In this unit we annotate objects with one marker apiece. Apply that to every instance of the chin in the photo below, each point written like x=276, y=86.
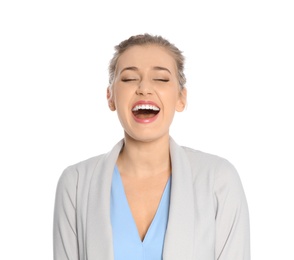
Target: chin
x=146, y=138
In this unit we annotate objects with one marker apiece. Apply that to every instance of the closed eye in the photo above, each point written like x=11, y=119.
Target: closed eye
x=162, y=80
x=127, y=80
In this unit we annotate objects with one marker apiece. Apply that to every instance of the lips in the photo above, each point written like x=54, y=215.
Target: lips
x=145, y=111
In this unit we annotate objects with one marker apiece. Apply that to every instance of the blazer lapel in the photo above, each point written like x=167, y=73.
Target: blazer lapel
x=99, y=233
x=179, y=236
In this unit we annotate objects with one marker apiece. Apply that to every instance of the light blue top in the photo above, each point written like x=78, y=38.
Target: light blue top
x=126, y=240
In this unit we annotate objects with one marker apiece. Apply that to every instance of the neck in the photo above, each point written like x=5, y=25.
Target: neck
x=145, y=159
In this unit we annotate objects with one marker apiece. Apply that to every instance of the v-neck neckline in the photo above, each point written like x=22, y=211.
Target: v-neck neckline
x=150, y=230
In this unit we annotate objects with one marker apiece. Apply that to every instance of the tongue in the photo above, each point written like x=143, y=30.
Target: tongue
x=144, y=114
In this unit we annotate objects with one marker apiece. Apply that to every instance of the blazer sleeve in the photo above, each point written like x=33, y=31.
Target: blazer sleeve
x=65, y=243
x=232, y=217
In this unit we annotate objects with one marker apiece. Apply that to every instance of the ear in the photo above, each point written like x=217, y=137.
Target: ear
x=110, y=99
x=182, y=101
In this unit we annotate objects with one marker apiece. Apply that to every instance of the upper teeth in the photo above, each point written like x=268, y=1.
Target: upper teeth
x=151, y=107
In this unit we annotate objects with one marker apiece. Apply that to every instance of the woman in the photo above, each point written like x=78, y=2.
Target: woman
x=149, y=198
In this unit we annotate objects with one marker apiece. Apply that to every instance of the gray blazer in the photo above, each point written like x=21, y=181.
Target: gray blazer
x=208, y=216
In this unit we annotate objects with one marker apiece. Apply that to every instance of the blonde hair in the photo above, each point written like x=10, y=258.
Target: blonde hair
x=147, y=39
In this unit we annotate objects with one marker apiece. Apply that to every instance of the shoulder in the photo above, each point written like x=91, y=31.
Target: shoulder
x=220, y=169
x=81, y=173
x=206, y=160
x=75, y=173
x=217, y=173
x=87, y=165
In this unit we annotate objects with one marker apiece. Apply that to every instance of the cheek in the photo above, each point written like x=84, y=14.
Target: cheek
x=121, y=100
x=170, y=97
x=118, y=95
x=122, y=92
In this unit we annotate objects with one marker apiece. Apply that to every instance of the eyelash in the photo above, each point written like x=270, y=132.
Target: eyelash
x=162, y=80
x=128, y=80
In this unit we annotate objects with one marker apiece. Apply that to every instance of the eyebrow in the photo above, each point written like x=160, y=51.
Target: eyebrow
x=136, y=69
x=129, y=68
x=161, y=68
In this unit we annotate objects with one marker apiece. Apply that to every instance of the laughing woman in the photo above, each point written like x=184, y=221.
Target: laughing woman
x=149, y=198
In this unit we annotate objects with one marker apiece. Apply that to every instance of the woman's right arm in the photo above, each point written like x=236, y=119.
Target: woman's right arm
x=65, y=241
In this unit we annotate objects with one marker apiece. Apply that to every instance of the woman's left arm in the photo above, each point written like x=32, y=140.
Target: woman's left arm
x=232, y=217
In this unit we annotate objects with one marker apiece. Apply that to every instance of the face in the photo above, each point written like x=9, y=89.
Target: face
x=145, y=92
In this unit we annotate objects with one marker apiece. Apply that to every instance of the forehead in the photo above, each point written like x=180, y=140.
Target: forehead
x=146, y=56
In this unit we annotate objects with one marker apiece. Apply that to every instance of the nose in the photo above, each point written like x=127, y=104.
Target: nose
x=144, y=88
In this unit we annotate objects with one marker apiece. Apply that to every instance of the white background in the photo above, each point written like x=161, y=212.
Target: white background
x=53, y=77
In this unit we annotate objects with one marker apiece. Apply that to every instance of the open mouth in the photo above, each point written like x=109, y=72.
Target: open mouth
x=145, y=111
